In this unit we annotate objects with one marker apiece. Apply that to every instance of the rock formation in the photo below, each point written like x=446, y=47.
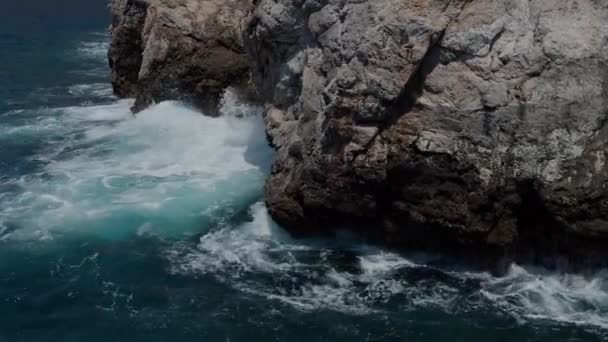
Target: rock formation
x=446, y=122
x=178, y=49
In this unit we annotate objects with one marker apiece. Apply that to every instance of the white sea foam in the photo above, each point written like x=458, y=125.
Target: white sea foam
x=169, y=169
x=305, y=277
x=539, y=294
x=95, y=90
x=94, y=49
x=382, y=263
x=257, y=258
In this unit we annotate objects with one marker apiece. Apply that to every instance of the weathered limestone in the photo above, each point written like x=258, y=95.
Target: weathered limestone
x=186, y=49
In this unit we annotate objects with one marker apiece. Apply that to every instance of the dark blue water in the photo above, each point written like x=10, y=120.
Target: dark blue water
x=153, y=228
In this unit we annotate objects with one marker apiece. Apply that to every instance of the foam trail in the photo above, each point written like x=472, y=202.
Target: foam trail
x=257, y=258
x=538, y=294
x=92, y=90
x=168, y=170
x=96, y=49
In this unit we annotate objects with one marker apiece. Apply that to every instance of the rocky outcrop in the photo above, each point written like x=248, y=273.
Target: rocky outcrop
x=479, y=122
x=445, y=122
x=178, y=49
x=125, y=53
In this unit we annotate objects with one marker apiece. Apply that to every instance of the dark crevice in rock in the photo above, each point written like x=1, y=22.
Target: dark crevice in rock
x=495, y=39
x=411, y=91
x=509, y=161
x=545, y=240
x=604, y=119
x=125, y=53
x=414, y=87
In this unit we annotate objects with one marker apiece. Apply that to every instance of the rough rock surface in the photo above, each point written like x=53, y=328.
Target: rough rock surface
x=178, y=49
x=445, y=122
x=125, y=54
x=479, y=122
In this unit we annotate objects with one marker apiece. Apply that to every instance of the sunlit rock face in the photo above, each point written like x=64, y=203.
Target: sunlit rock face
x=456, y=122
x=178, y=49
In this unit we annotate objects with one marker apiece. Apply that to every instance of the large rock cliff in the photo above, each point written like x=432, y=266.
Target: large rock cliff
x=456, y=122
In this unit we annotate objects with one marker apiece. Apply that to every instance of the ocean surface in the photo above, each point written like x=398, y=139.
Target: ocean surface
x=116, y=227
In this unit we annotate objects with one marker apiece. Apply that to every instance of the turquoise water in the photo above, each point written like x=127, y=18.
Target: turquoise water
x=153, y=228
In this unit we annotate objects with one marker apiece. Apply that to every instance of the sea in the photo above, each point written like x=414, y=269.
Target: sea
x=152, y=227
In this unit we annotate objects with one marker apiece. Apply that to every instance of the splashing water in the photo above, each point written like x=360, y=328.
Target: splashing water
x=258, y=258
x=167, y=170
x=94, y=50
x=538, y=294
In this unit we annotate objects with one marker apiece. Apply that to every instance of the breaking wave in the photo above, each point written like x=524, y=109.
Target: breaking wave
x=258, y=258
x=168, y=170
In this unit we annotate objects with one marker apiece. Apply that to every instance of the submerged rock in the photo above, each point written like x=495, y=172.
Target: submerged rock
x=437, y=122
x=178, y=49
